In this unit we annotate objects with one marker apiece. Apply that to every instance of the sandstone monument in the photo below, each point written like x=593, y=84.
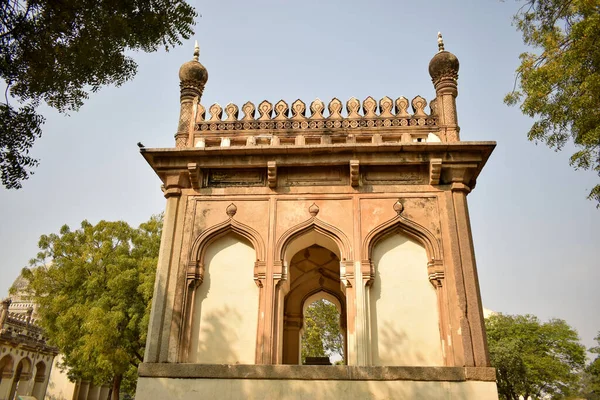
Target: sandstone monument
x=280, y=205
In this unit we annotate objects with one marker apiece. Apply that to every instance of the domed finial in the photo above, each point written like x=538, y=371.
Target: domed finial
x=196, y=51
x=193, y=75
x=440, y=42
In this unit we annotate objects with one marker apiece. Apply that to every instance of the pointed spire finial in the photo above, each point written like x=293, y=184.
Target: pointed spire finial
x=196, y=51
x=440, y=42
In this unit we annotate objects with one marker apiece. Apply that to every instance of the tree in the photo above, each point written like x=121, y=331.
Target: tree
x=560, y=86
x=322, y=336
x=94, y=288
x=60, y=51
x=533, y=358
x=591, y=389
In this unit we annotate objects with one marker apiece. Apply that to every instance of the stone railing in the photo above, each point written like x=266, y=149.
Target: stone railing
x=386, y=121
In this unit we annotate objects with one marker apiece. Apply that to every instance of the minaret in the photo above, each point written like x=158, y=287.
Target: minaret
x=443, y=69
x=192, y=78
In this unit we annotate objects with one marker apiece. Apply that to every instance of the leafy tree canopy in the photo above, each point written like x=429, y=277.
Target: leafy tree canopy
x=321, y=335
x=559, y=85
x=591, y=387
x=94, y=287
x=536, y=359
x=60, y=51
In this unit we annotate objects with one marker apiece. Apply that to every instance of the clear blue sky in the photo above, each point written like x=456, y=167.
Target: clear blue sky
x=536, y=236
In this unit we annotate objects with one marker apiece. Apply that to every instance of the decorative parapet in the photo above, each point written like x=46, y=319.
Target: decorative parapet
x=369, y=122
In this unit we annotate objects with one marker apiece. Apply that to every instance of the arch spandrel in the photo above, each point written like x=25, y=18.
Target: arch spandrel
x=331, y=238
x=195, y=270
x=415, y=231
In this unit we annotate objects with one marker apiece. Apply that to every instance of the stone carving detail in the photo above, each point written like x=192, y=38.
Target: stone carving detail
x=352, y=106
x=335, y=109
x=232, y=112
x=398, y=207
x=231, y=210
x=265, y=110
x=370, y=107
x=216, y=112
x=194, y=173
x=200, y=113
x=385, y=105
x=388, y=117
x=248, y=110
x=281, y=111
x=435, y=170
x=298, y=110
x=272, y=174
x=317, y=107
x=354, y=169
x=313, y=210
x=185, y=115
x=181, y=140
x=402, y=107
x=418, y=105
x=433, y=107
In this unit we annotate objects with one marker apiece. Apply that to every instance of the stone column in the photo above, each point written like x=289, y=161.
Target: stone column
x=104, y=391
x=94, y=393
x=157, y=323
x=83, y=391
x=361, y=293
x=6, y=383
x=469, y=270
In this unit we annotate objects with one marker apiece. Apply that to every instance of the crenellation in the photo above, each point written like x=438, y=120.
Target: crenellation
x=283, y=124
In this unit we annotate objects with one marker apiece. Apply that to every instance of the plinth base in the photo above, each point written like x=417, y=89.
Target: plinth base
x=264, y=382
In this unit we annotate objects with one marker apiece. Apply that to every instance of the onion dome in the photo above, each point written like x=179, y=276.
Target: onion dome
x=444, y=64
x=192, y=73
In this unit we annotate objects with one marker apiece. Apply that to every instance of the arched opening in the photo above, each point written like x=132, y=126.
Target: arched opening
x=322, y=340
x=39, y=380
x=6, y=372
x=314, y=273
x=225, y=306
x=405, y=325
x=21, y=378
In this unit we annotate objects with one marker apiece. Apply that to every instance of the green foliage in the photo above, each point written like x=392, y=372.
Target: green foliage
x=322, y=335
x=591, y=387
x=59, y=51
x=533, y=358
x=94, y=288
x=560, y=86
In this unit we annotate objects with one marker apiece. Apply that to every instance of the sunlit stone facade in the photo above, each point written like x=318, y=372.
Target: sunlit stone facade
x=268, y=209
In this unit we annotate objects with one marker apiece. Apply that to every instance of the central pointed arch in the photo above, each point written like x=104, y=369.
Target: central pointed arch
x=325, y=235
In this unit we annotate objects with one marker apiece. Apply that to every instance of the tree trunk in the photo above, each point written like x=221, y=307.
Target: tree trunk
x=116, y=387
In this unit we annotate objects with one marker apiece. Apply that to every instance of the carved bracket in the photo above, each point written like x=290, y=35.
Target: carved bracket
x=195, y=175
x=354, y=168
x=435, y=170
x=435, y=272
x=272, y=174
x=347, y=273
x=195, y=275
x=367, y=270
x=260, y=273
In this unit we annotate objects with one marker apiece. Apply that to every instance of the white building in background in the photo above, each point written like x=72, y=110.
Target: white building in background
x=26, y=359
x=28, y=365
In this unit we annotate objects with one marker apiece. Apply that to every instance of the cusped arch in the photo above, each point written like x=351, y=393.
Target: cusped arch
x=209, y=236
x=7, y=363
x=40, y=371
x=412, y=229
x=328, y=231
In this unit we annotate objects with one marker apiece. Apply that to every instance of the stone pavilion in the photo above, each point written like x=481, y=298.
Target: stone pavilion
x=271, y=208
